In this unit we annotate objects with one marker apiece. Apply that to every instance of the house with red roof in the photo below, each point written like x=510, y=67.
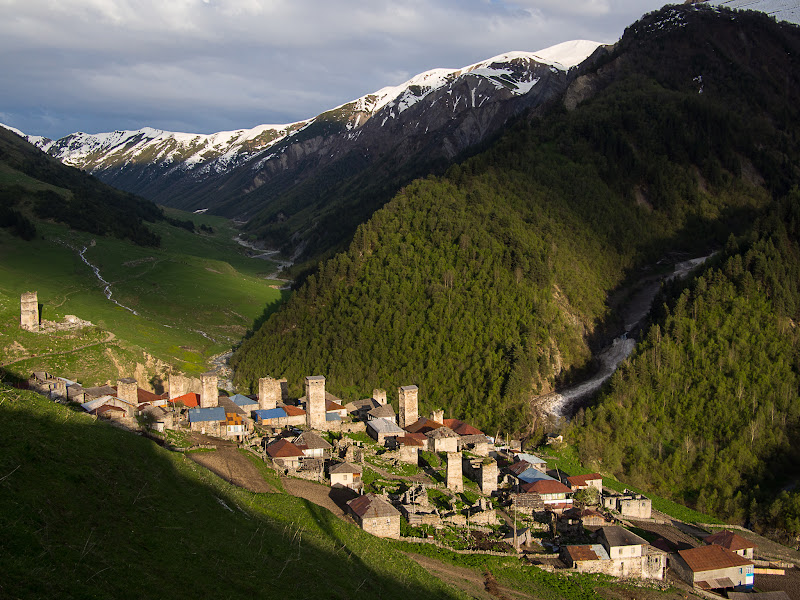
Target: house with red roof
x=555, y=495
x=190, y=400
x=713, y=567
x=285, y=454
x=733, y=542
x=582, y=482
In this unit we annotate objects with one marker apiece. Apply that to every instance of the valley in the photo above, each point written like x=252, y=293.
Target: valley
x=467, y=336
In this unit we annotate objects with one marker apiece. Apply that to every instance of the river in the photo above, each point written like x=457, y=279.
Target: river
x=564, y=402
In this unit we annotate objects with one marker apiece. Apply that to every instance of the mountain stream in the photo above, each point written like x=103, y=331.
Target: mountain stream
x=564, y=402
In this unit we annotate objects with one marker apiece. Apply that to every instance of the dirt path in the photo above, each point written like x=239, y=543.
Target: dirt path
x=109, y=338
x=478, y=585
x=233, y=467
x=334, y=499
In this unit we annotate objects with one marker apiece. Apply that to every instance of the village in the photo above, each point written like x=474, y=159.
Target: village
x=431, y=479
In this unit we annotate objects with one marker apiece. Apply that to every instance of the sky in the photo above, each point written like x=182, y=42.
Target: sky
x=202, y=66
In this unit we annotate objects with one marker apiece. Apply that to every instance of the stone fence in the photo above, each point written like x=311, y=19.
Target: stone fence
x=418, y=540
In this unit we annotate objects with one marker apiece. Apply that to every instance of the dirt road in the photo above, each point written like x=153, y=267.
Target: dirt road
x=233, y=467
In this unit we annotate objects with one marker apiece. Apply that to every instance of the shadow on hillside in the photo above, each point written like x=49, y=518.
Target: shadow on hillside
x=91, y=510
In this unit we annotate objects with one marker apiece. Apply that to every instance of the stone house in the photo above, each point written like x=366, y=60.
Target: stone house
x=381, y=430
x=527, y=503
x=313, y=445
x=375, y=515
x=384, y=411
x=713, y=567
x=346, y=475
x=733, y=542
x=442, y=439
x=285, y=454
x=620, y=553
x=409, y=449
x=209, y=421
x=629, y=504
x=585, y=517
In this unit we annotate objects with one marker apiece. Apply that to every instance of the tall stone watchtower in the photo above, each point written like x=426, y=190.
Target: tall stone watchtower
x=455, y=480
x=315, y=401
x=128, y=390
x=209, y=397
x=29, y=311
x=269, y=393
x=409, y=407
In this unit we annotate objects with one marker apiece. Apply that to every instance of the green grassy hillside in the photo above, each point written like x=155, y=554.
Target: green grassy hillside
x=195, y=296
x=487, y=285
x=91, y=511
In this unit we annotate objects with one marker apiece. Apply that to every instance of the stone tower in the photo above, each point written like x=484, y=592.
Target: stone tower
x=409, y=408
x=437, y=415
x=489, y=474
x=455, y=480
x=178, y=385
x=269, y=393
x=29, y=311
x=315, y=402
x=379, y=396
x=128, y=390
x=209, y=397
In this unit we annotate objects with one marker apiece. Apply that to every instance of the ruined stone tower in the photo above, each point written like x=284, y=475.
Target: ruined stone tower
x=209, y=397
x=128, y=390
x=269, y=393
x=455, y=480
x=29, y=311
x=379, y=396
x=315, y=401
x=437, y=415
x=409, y=408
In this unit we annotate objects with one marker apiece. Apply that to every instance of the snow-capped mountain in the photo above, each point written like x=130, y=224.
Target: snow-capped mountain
x=173, y=168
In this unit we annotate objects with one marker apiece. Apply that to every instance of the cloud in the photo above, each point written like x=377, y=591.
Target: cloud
x=207, y=63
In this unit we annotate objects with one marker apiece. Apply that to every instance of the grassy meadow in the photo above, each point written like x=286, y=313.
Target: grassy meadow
x=195, y=296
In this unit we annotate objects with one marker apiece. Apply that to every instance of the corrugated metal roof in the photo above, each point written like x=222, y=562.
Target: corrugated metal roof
x=530, y=475
x=385, y=427
x=547, y=486
x=267, y=414
x=587, y=552
x=710, y=558
x=240, y=400
x=531, y=458
x=202, y=415
x=619, y=536
x=580, y=480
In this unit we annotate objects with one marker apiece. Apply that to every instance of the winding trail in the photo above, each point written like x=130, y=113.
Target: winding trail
x=562, y=403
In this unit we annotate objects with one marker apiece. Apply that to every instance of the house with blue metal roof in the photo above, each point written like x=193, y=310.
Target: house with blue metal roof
x=210, y=421
x=245, y=403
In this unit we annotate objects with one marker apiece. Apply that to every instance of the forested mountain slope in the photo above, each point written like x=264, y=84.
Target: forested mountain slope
x=707, y=411
x=34, y=186
x=484, y=286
